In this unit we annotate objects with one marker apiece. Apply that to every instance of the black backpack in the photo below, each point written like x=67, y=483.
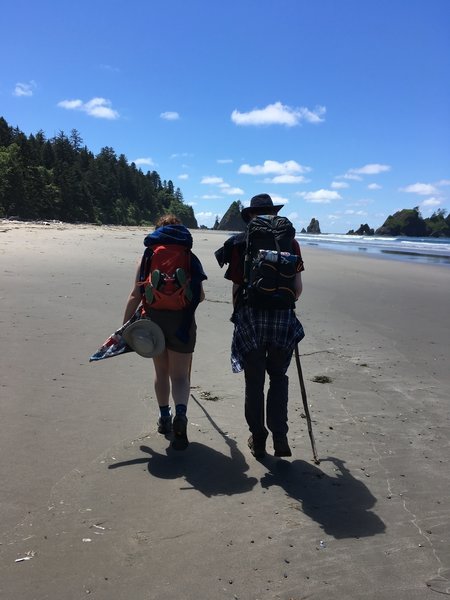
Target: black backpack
x=269, y=265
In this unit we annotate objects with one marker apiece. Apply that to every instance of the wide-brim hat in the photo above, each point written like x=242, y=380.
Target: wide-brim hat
x=258, y=205
x=145, y=337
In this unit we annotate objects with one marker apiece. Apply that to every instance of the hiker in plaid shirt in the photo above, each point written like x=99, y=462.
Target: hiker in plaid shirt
x=263, y=341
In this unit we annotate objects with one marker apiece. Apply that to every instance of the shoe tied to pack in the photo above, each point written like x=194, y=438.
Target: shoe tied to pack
x=181, y=280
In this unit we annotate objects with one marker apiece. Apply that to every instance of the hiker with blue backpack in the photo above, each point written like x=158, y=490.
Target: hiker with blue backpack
x=168, y=288
x=265, y=266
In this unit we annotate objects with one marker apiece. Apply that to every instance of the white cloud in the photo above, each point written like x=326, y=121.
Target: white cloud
x=210, y=197
x=233, y=191
x=273, y=167
x=371, y=169
x=230, y=191
x=183, y=176
x=443, y=182
x=286, y=179
x=207, y=219
x=99, y=108
x=279, y=200
x=312, y=116
x=226, y=188
x=170, y=115
x=212, y=180
x=181, y=154
x=361, y=202
x=144, y=161
x=351, y=176
x=320, y=196
x=374, y=186
x=423, y=189
x=24, y=89
x=278, y=114
x=71, y=104
x=224, y=161
x=431, y=202
x=339, y=185
x=361, y=213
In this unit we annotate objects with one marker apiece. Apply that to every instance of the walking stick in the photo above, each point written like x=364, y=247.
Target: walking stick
x=305, y=405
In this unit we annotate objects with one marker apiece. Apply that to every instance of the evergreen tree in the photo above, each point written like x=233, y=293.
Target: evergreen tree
x=5, y=133
x=232, y=220
x=59, y=178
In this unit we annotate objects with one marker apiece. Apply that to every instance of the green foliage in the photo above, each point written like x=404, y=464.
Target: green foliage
x=184, y=212
x=364, y=229
x=409, y=222
x=232, y=220
x=61, y=179
x=438, y=225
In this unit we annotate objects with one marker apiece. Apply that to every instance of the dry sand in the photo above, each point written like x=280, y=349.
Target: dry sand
x=100, y=505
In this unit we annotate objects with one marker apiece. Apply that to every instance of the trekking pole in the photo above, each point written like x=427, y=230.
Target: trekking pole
x=305, y=405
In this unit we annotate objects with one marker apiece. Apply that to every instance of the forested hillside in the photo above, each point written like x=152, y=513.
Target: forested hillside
x=59, y=178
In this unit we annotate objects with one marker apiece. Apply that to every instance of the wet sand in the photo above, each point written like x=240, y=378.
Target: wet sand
x=100, y=505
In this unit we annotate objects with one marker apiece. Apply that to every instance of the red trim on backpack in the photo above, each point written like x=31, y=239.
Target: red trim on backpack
x=169, y=293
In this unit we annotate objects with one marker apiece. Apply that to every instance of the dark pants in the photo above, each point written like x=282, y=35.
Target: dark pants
x=275, y=361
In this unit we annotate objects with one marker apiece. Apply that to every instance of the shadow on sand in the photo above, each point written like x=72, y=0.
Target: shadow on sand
x=340, y=505
x=204, y=469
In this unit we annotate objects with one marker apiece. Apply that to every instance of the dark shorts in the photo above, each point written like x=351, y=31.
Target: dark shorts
x=170, y=321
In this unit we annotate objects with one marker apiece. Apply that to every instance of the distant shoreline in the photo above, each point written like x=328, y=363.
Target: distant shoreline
x=420, y=250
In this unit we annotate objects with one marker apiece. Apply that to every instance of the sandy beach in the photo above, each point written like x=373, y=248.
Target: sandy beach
x=97, y=504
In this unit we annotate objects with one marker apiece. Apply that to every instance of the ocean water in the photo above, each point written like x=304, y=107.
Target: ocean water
x=423, y=250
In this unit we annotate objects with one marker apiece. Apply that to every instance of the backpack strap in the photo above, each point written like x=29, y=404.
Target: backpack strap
x=144, y=269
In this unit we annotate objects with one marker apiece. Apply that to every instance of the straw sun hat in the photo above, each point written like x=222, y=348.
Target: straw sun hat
x=145, y=337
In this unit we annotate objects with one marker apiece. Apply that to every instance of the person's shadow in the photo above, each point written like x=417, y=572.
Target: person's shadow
x=340, y=505
x=204, y=469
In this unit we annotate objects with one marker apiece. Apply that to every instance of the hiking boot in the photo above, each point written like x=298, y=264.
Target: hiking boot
x=165, y=425
x=181, y=281
x=257, y=446
x=180, y=440
x=281, y=446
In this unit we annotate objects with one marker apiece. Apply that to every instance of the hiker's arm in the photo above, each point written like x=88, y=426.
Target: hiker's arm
x=298, y=276
x=134, y=299
x=298, y=285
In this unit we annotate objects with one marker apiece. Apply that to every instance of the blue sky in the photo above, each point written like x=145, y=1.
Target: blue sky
x=338, y=109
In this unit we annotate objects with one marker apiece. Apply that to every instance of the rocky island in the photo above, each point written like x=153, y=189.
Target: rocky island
x=410, y=223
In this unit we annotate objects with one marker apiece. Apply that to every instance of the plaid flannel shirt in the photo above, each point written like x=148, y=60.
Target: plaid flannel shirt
x=255, y=328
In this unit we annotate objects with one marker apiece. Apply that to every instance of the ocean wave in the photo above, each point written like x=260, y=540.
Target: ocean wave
x=429, y=249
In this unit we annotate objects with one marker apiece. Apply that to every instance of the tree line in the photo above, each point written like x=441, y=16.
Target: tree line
x=61, y=179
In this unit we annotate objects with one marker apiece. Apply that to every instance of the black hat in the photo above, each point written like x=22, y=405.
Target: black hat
x=259, y=205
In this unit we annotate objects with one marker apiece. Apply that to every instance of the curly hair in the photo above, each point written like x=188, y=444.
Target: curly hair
x=168, y=220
